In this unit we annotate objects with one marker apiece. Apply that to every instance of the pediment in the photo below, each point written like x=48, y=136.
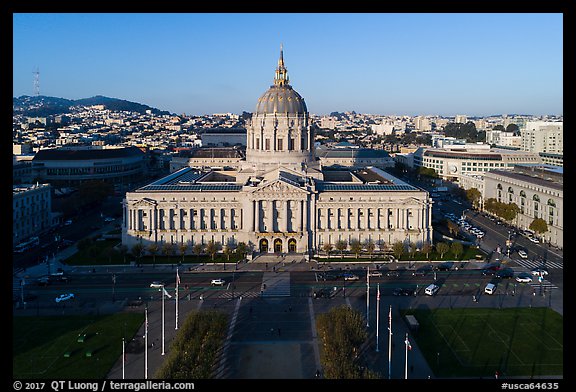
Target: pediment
x=278, y=187
x=145, y=202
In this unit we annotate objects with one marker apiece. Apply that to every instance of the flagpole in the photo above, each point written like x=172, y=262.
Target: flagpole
x=146, y=344
x=368, y=298
x=163, y=295
x=123, y=358
x=177, y=284
x=390, y=343
x=406, y=361
x=377, y=316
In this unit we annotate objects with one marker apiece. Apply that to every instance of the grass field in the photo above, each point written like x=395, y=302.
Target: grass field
x=40, y=344
x=478, y=342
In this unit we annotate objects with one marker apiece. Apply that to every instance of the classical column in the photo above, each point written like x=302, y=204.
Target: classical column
x=257, y=216
x=300, y=215
x=366, y=218
x=150, y=219
x=286, y=213
x=270, y=216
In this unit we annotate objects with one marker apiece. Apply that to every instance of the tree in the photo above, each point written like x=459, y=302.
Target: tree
x=341, y=246
x=442, y=248
x=539, y=226
x=228, y=250
x=398, y=249
x=452, y=227
x=123, y=251
x=197, y=249
x=512, y=128
x=413, y=249
x=167, y=249
x=183, y=247
x=242, y=249
x=355, y=247
x=137, y=251
x=212, y=248
x=370, y=247
x=473, y=195
x=427, y=248
x=153, y=249
x=456, y=248
x=327, y=247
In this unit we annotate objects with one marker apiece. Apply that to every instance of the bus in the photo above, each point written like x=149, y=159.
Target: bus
x=24, y=246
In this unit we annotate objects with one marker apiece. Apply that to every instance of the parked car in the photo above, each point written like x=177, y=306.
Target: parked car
x=156, y=284
x=322, y=293
x=64, y=297
x=376, y=274
x=524, y=277
x=445, y=266
x=534, y=240
x=218, y=282
x=351, y=277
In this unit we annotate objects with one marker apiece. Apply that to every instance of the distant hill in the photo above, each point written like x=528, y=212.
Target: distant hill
x=41, y=106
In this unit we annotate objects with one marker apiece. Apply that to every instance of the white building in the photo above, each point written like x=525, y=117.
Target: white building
x=280, y=199
x=543, y=136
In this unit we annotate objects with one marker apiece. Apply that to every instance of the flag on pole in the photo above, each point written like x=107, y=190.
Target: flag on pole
x=408, y=345
x=390, y=319
x=378, y=293
x=165, y=292
x=368, y=277
x=177, y=277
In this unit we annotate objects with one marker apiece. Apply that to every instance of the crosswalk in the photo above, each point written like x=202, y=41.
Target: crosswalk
x=535, y=283
x=232, y=295
x=532, y=264
x=276, y=284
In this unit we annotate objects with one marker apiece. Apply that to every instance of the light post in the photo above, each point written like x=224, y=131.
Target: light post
x=163, y=294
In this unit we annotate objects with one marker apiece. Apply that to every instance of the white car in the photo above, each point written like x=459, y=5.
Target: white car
x=524, y=277
x=376, y=274
x=64, y=297
x=156, y=285
x=522, y=254
x=217, y=282
x=351, y=277
x=534, y=240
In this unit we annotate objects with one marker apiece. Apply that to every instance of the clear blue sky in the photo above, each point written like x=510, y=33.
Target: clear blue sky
x=476, y=64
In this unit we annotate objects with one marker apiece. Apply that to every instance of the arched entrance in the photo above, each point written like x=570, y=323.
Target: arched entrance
x=278, y=245
x=263, y=245
x=291, y=245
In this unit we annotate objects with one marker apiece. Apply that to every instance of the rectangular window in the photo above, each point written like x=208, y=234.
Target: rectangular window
x=267, y=145
x=291, y=144
x=257, y=143
x=280, y=145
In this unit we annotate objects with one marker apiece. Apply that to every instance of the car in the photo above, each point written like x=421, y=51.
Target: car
x=156, y=285
x=64, y=297
x=490, y=288
x=446, y=266
x=68, y=222
x=109, y=219
x=431, y=289
x=393, y=274
x=524, y=277
x=522, y=254
x=423, y=271
x=489, y=271
x=322, y=293
x=400, y=292
x=376, y=274
x=505, y=273
x=540, y=271
x=351, y=277
x=534, y=240
x=217, y=282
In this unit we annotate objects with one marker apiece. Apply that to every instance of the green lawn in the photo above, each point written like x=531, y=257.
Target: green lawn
x=39, y=345
x=478, y=342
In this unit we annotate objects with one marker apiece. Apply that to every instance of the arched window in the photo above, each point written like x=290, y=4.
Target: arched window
x=499, y=186
x=522, y=194
x=551, y=203
x=510, y=190
x=536, y=198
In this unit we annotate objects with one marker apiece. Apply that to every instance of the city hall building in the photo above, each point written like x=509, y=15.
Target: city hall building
x=280, y=198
